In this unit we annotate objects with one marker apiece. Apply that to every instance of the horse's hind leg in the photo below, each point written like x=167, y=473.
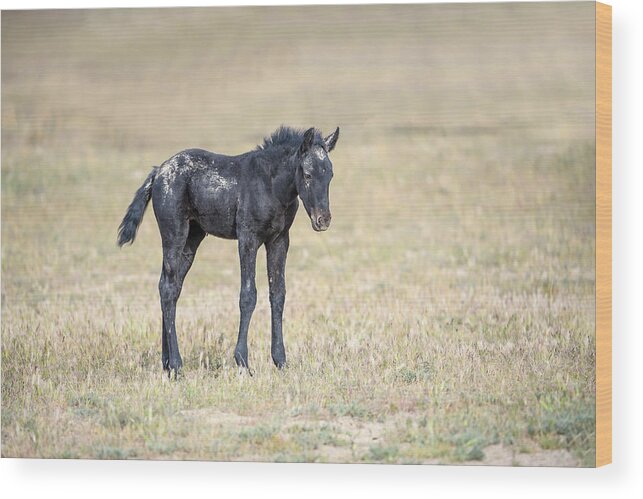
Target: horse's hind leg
x=248, y=246
x=169, y=290
x=195, y=236
x=176, y=264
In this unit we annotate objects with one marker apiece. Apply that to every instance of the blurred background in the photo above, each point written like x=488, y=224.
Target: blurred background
x=453, y=118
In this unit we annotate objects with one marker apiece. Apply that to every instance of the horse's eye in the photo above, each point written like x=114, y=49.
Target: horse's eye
x=307, y=176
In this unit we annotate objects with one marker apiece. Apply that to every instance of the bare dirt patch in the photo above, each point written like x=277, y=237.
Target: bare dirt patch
x=503, y=455
x=361, y=433
x=356, y=438
x=219, y=418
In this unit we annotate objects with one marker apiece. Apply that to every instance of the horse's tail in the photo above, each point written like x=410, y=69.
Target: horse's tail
x=136, y=210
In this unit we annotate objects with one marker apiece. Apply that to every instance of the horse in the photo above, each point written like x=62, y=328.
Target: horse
x=252, y=198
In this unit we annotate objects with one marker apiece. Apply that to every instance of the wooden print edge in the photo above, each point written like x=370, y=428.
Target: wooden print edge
x=603, y=234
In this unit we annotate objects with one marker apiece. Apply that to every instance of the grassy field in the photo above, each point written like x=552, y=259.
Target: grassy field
x=448, y=314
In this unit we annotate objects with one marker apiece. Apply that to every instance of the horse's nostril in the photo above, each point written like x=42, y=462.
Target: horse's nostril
x=322, y=221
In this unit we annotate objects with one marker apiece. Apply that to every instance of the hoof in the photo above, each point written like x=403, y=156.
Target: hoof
x=280, y=364
x=241, y=359
x=173, y=368
x=279, y=359
x=245, y=370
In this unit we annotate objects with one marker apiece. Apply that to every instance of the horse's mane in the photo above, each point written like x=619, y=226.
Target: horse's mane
x=287, y=136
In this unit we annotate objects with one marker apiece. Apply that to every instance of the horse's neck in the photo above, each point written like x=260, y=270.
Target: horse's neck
x=283, y=180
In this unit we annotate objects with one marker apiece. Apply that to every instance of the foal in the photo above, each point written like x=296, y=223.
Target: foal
x=252, y=198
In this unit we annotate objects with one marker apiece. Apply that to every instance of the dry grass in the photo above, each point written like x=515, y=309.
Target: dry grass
x=447, y=316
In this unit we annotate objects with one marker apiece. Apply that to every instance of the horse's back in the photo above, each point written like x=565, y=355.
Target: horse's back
x=200, y=185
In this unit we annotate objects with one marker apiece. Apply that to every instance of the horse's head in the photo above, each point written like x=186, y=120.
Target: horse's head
x=313, y=175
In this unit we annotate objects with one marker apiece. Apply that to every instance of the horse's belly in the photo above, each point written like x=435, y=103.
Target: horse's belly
x=225, y=234
x=216, y=214
x=217, y=220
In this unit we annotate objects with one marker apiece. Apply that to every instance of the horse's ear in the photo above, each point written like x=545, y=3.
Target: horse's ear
x=309, y=138
x=331, y=140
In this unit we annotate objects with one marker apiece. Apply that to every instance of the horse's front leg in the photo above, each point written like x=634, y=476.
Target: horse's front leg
x=276, y=252
x=248, y=247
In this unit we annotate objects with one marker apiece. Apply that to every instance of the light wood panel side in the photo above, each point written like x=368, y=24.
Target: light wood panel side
x=603, y=234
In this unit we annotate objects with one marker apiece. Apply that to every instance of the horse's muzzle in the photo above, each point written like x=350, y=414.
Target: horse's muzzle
x=321, y=223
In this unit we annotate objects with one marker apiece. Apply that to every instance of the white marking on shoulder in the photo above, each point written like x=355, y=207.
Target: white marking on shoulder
x=217, y=182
